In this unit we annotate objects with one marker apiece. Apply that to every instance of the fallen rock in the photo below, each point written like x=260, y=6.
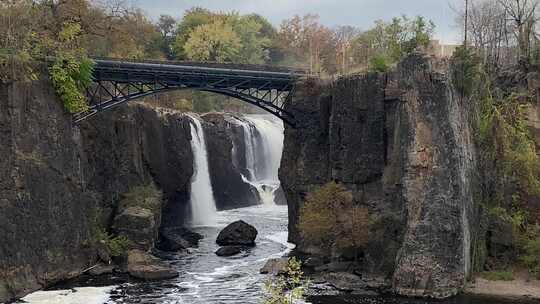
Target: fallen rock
x=237, y=233
x=177, y=238
x=275, y=266
x=229, y=251
x=144, y=266
x=101, y=269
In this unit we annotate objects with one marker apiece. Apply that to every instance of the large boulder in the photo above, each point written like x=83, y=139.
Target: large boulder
x=177, y=238
x=142, y=265
x=237, y=233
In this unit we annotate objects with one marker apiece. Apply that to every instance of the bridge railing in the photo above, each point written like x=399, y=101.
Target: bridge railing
x=235, y=66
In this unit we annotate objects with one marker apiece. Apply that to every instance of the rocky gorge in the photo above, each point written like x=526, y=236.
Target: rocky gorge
x=400, y=142
x=63, y=182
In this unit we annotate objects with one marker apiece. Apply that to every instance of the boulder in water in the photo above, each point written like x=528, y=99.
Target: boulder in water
x=237, y=233
x=226, y=251
x=144, y=266
x=177, y=238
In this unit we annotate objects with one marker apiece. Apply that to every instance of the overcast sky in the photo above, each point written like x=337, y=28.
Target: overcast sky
x=360, y=13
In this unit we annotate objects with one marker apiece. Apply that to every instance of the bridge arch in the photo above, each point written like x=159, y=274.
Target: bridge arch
x=118, y=82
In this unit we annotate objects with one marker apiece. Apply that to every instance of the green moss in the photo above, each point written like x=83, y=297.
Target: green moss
x=116, y=245
x=147, y=197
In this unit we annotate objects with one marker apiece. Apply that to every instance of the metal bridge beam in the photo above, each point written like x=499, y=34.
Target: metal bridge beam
x=118, y=82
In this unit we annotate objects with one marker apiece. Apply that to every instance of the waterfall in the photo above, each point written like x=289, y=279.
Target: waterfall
x=203, y=206
x=263, y=142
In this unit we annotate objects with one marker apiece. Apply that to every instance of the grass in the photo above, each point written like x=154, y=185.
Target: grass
x=502, y=275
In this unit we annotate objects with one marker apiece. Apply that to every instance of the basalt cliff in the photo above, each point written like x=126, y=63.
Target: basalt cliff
x=401, y=143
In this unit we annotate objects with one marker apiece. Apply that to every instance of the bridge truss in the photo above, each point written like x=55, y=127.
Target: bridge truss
x=118, y=82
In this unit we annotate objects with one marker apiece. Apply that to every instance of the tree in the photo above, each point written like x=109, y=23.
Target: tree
x=522, y=13
x=330, y=219
x=166, y=27
x=215, y=41
x=344, y=35
x=192, y=19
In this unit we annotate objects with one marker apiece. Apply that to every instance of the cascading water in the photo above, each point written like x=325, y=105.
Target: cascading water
x=263, y=142
x=203, y=206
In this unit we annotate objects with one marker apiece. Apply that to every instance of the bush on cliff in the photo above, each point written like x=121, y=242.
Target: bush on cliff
x=531, y=250
x=330, y=219
x=508, y=163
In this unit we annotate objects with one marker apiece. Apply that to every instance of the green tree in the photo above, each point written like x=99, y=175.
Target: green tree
x=215, y=41
x=192, y=19
x=254, y=45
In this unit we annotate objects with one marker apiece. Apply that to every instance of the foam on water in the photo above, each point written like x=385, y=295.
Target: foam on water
x=86, y=295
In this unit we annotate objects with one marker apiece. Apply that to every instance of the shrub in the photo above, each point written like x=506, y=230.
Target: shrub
x=116, y=245
x=531, y=250
x=464, y=66
x=70, y=78
x=498, y=275
x=379, y=63
x=147, y=197
x=329, y=218
x=288, y=288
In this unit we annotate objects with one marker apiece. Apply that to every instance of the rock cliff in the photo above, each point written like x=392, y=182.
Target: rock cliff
x=44, y=223
x=401, y=143
x=59, y=181
x=222, y=135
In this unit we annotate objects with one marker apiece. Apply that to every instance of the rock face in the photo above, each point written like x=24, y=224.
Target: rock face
x=401, y=143
x=58, y=181
x=230, y=191
x=137, y=145
x=44, y=208
x=144, y=266
x=275, y=266
x=139, y=217
x=237, y=233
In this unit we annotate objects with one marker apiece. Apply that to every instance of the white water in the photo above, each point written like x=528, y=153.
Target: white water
x=263, y=141
x=86, y=295
x=203, y=206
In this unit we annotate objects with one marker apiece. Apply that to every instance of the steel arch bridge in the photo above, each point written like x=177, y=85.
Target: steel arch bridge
x=116, y=82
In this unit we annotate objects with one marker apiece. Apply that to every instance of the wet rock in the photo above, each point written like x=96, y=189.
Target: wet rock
x=177, y=239
x=226, y=251
x=144, y=266
x=335, y=267
x=138, y=225
x=237, y=233
x=345, y=281
x=101, y=269
x=222, y=134
x=275, y=266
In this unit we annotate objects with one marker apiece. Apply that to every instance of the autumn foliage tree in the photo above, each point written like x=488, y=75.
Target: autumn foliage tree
x=330, y=219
